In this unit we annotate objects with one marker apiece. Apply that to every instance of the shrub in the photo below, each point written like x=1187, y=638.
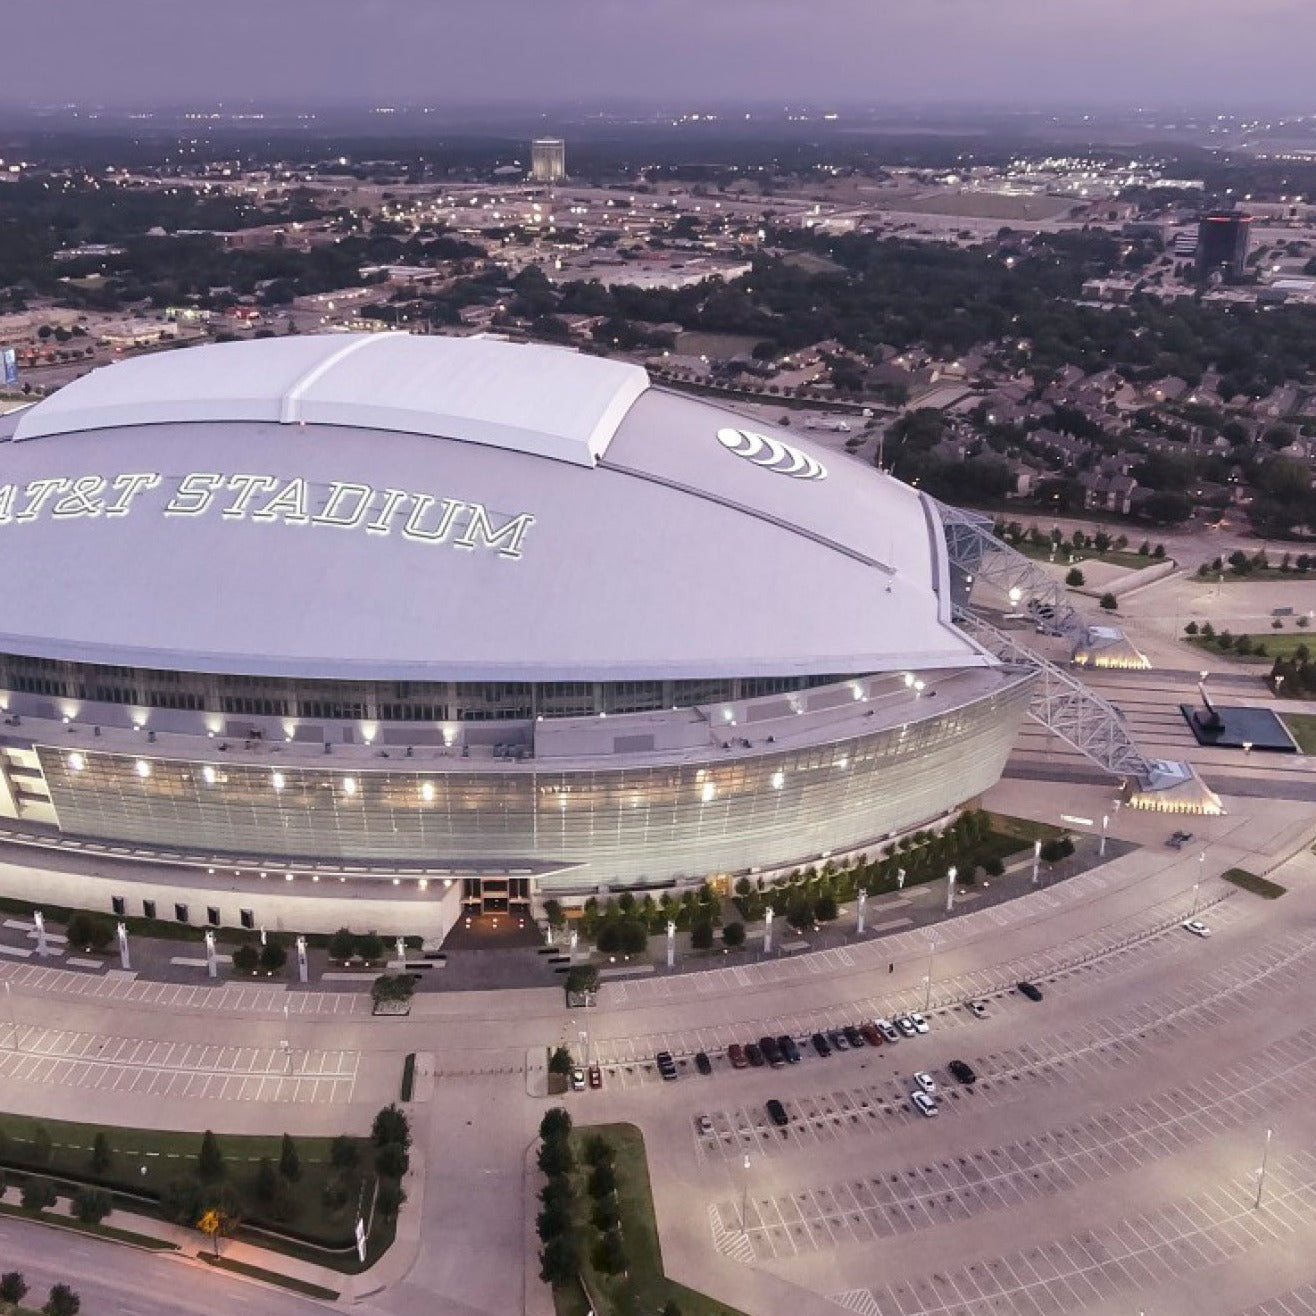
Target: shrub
x=13, y=1287
x=701, y=935
x=38, y=1194
x=41, y=1145
x=290, y=1163
x=335, y=1193
x=62, y=1302
x=92, y=1205
x=733, y=935
x=342, y=945
x=605, y=1215
x=634, y=937
x=393, y=987
x=825, y=909
x=89, y=931
x=602, y=1181
x=246, y=958
x=582, y=978
x=1074, y=578
x=1109, y=602
x=343, y=1153
x=370, y=947
x=273, y=956
x=994, y=867
x=1191, y=628
x=598, y=1151
x=609, y=1254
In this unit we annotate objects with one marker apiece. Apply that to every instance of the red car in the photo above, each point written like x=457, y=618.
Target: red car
x=736, y=1054
x=870, y=1034
x=595, y=1076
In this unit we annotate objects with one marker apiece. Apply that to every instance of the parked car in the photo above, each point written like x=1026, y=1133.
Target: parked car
x=754, y=1054
x=979, y=1009
x=578, y=1080
x=837, y=1039
x=870, y=1034
x=1196, y=927
x=887, y=1029
x=921, y=1024
x=777, y=1113
x=926, y=1082
x=736, y=1054
x=853, y=1036
x=702, y=1063
x=821, y=1044
x=595, y=1076
x=789, y=1049
x=963, y=1072
x=923, y=1103
x=906, y=1026
x=666, y=1065
x=771, y=1052
x=1030, y=990
x=704, y=1125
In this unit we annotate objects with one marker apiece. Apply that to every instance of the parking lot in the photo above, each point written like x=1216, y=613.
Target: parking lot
x=145, y=1068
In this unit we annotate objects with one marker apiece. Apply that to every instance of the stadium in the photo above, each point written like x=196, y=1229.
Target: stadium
x=370, y=628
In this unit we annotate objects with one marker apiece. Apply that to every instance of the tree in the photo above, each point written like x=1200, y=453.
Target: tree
x=1109, y=602
x=701, y=935
x=92, y=1205
x=553, y=1220
x=42, y=1146
x=560, y=1259
x=1074, y=578
x=1191, y=628
x=101, y=1154
x=13, y=1287
x=994, y=867
x=290, y=1163
x=610, y=1253
x=825, y=909
x=392, y=1161
x=210, y=1159
x=389, y=1198
x=556, y=1125
x=605, y=1215
x=391, y=1126
x=246, y=958
x=560, y=1061
x=62, y=1302
x=582, y=978
x=343, y=1153
x=273, y=956
x=555, y=1158
x=342, y=945
x=553, y=913
x=733, y=935
x=370, y=947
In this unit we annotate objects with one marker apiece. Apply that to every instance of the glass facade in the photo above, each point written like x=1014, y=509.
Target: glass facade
x=625, y=825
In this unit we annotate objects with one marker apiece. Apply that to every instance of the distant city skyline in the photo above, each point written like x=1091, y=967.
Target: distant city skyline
x=1107, y=54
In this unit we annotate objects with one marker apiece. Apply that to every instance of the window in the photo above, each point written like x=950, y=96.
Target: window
x=212, y=915
x=119, y=906
x=247, y=917
x=148, y=908
x=180, y=913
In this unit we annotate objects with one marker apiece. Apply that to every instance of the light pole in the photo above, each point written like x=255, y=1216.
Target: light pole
x=950, y=889
x=1037, y=860
x=584, y=1046
x=927, y=995
x=1196, y=886
x=1105, y=822
x=744, y=1200
x=13, y=1022
x=1261, y=1173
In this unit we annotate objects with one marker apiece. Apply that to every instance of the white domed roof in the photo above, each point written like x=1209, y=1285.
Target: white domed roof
x=450, y=509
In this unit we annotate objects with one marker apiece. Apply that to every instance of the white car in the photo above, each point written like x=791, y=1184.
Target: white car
x=979, y=1009
x=906, y=1025
x=578, y=1080
x=923, y=1103
x=704, y=1125
x=920, y=1023
x=887, y=1029
x=1196, y=927
x=926, y=1082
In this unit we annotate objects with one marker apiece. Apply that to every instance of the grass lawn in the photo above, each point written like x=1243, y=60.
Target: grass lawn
x=645, y=1288
x=1279, y=644
x=1259, y=886
x=1116, y=557
x=222, y=1262
x=145, y=1161
x=1260, y=573
x=1302, y=727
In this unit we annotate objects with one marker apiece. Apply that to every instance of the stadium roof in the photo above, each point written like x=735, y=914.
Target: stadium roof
x=450, y=509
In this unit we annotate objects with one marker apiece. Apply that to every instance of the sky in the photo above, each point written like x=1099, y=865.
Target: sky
x=683, y=53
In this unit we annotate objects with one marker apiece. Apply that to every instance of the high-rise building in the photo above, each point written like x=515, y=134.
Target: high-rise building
x=1222, y=241
x=548, y=159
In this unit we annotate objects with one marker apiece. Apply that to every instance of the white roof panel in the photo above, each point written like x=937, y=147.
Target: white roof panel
x=549, y=401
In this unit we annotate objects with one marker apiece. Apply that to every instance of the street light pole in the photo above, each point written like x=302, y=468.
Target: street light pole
x=1261, y=1173
x=744, y=1200
x=13, y=1022
x=927, y=995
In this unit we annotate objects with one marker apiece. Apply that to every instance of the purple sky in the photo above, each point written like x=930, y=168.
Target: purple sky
x=1103, y=52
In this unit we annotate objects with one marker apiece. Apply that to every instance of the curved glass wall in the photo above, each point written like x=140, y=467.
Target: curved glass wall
x=626, y=825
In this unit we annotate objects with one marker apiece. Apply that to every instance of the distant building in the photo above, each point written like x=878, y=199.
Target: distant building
x=548, y=160
x=1222, y=241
